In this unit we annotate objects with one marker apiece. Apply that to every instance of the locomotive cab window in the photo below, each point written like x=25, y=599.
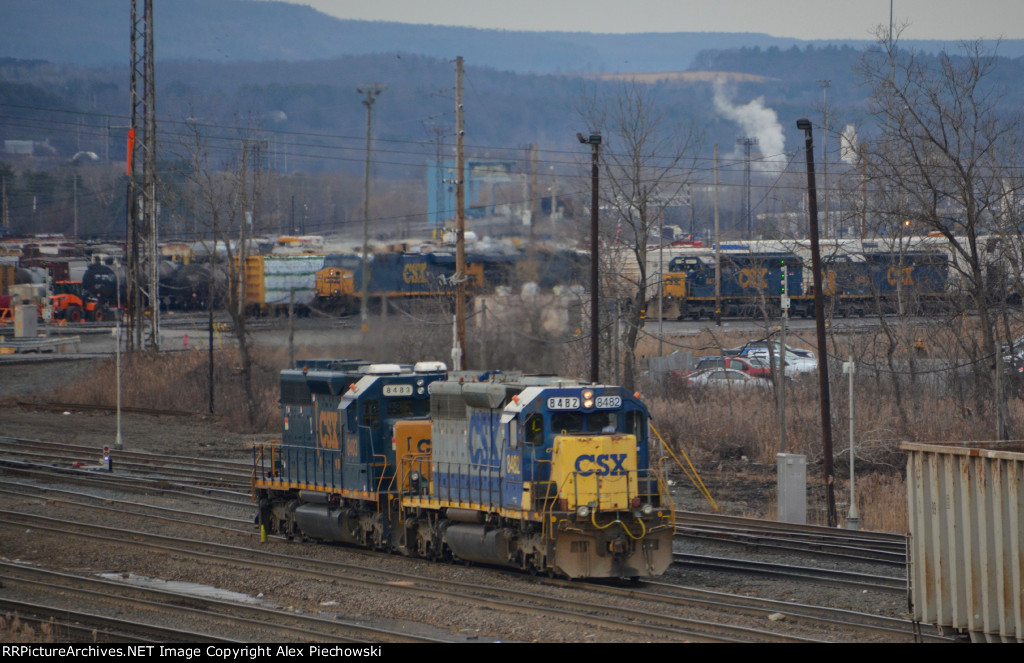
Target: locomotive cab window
x=371, y=414
x=402, y=408
x=570, y=422
x=534, y=430
x=635, y=423
x=602, y=422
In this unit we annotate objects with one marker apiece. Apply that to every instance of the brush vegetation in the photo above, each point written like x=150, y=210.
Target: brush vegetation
x=911, y=401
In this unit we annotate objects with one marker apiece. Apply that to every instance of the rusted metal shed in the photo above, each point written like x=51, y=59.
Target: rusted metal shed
x=966, y=564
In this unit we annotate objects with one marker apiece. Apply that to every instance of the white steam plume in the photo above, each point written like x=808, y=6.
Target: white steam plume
x=755, y=121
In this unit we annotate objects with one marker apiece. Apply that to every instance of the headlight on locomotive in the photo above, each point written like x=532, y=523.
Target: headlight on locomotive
x=583, y=512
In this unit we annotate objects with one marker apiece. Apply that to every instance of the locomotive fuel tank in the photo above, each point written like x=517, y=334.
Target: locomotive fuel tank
x=474, y=543
x=320, y=521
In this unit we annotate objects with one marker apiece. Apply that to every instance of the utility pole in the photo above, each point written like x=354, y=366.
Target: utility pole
x=780, y=374
x=372, y=91
x=459, y=350
x=534, y=211
x=5, y=212
x=242, y=239
x=594, y=140
x=747, y=143
x=825, y=84
x=819, y=317
x=142, y=236
x=852, y=519
x=718, y=252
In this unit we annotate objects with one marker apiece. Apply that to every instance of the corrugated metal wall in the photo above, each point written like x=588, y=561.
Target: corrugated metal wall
x=966, y=566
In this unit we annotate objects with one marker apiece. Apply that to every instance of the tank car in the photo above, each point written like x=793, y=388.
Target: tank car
x=543, y=474
x=103, y=281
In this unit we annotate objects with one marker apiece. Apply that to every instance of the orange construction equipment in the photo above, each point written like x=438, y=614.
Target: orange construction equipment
x=71, y=303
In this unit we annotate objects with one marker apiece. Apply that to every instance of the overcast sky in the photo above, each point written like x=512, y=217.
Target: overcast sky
x=801, y=19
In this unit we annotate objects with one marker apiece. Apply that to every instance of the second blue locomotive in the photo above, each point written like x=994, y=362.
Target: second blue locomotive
x=750, y=285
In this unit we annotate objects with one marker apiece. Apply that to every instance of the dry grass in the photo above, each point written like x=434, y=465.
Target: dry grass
x=16, y=631
x=712, y=427
x=180, y=381
x=719, y=429
x=881, y=501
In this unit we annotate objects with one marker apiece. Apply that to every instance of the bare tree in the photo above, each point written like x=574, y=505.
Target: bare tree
x=646, y=161
x=945, y=160
x=221, y=192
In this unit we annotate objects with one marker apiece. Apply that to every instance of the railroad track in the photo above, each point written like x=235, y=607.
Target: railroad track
x=121, y=507
x=893, y=629
x=211, y=614
x=88, y=627
x=96, y=407
x=233, y=476
x=806, y=540
x=834, y=577
x=646, y=622
x=640, y=621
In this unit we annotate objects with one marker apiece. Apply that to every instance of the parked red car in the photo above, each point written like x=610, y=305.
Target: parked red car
x=752, y=366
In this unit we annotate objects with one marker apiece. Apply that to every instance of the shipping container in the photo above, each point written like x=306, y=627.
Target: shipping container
x=270, y=281
x=966, y=511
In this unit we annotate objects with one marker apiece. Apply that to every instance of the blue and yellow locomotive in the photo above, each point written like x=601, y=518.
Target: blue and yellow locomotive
x=869, y=281
x=547, y=475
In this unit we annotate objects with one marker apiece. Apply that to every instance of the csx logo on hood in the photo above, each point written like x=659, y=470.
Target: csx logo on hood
x=602, y=465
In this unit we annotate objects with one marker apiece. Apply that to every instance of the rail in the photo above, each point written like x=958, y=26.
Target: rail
x=19, y=345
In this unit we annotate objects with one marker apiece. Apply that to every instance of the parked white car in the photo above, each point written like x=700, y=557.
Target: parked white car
x=795, y=365
x=729, y=378
x=799, y=352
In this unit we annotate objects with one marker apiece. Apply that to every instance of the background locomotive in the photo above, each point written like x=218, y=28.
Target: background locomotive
x=861, y=282
x=542, y=474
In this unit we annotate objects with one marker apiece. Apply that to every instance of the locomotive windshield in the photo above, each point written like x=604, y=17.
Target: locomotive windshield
x=401, y=408
x=578, y=422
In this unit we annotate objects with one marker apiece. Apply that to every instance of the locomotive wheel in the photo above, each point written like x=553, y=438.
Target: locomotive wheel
x=73, y=314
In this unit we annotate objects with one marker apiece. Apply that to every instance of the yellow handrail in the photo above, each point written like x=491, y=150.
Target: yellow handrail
x=691, y=473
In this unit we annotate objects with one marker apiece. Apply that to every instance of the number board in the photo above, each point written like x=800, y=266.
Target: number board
x=397, y=390
x=564, y=403
x=608, y=402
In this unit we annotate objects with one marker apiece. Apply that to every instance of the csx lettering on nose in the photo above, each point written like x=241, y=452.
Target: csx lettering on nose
x=601, y=465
